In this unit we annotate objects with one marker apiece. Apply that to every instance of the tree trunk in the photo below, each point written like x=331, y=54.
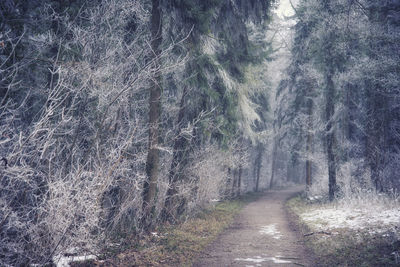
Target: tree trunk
x=258, y=164
x=273, y=165
x=377, y=135
x=309, y=143
x=330, y=135
x=152, y=163
x=229, y=180
x=239, y=180
x=174, y=205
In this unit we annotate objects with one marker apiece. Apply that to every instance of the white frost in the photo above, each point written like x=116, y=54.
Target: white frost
x=277, y=260
x=374, y=218
x=63, y=261
x=256, y=259
x=259, y=259
x=271, y=230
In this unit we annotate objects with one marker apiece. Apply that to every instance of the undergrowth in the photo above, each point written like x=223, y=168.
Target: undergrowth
x=176, y=245
x=344, y=246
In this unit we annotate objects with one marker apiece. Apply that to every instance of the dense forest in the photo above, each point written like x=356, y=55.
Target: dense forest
x=117, y=116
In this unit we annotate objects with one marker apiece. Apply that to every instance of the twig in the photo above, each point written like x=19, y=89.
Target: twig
x=5, y=218
x=325, y=233
x=320, y=232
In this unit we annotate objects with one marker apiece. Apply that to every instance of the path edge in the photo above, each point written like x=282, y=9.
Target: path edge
x=299, y=228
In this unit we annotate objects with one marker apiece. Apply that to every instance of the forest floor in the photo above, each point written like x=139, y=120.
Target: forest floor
x=361, y=231
x=277, y=227
x=261, y=235
x=178, y=244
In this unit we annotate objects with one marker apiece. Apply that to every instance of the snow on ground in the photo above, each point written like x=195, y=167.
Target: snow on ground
x=375, y=216
x=271, y=230
x=259, y=259
x=64, y=261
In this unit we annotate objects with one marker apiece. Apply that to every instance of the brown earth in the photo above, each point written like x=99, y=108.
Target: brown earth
x=261, y=235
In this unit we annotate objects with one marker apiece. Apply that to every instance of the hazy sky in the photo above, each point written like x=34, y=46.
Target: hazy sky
x=285, y=9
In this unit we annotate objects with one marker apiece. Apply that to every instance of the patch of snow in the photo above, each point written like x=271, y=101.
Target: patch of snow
x=271, y=230
x=64, y=261
x=277, y=260
x=259, y=259
x=256, y=259
x=375, y=219
x=314, y=198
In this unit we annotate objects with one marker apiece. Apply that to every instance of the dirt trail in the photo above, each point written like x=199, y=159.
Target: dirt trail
x=260, y=236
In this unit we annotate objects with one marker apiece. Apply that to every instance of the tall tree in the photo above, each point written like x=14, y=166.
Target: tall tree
x=330, y=134
x=309, y=145
x=174, y=204
x=152, y=163
x=220, y=50
x=258, y=164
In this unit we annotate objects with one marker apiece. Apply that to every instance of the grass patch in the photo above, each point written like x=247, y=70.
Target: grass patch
x=344, y=246
x=178, y=245
x=297, y=205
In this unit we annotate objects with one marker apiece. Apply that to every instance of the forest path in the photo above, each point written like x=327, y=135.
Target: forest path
x=260, y=236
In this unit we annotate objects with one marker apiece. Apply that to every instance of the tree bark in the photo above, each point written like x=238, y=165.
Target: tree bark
x=152, y=163
x=330, y=135
x=239, y=180
x=258, y=164
x=174, y=205
x=309, y=143
x=273, y=165
x=229, y=180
